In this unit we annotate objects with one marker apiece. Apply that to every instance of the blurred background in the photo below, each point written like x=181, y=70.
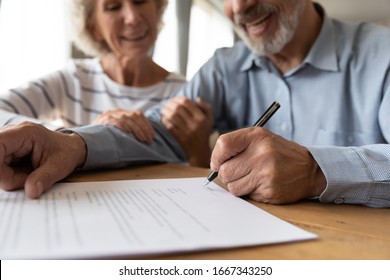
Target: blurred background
x=34, y=38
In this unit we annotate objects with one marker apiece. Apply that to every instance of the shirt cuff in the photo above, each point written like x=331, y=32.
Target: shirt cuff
x=348, y=180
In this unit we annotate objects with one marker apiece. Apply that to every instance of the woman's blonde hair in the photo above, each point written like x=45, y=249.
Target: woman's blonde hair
x=80, y=13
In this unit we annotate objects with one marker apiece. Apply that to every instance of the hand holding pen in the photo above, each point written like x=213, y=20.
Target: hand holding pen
x=259, y=123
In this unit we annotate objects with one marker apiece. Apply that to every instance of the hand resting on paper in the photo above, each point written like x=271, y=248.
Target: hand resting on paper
x=34, y=158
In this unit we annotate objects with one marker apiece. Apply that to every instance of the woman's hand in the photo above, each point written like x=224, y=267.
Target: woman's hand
x=129, y=121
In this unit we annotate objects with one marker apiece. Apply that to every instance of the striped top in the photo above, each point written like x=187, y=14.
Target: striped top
x=77, y=94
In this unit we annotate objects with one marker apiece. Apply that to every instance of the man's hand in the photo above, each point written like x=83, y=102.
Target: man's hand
x=34, y=158
x=191, y=124
x=267, y=167
x=129, y=121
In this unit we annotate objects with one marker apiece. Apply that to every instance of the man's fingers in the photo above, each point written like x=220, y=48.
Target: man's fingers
x=43, y=178
x=242, y=185
x=225, y=149
x=231, y=144
x=172, y=117
x=11, y=179
x=35, y=189
x=205, y=107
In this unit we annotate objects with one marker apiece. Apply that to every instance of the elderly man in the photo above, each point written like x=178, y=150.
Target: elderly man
x=328, y=141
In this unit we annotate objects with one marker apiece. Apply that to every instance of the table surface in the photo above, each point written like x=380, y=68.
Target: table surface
x=344, y=231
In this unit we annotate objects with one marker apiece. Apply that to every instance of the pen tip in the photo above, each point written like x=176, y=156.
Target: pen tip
x=206, y=182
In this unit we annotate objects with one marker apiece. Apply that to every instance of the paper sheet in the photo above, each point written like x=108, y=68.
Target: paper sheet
x=133, y=218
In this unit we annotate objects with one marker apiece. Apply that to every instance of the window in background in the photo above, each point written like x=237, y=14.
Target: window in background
x=208, y=30
x=33, y=40
x=166, y=49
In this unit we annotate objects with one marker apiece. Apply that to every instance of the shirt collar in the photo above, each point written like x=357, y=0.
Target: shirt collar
x=322, y=55
x=260, y=61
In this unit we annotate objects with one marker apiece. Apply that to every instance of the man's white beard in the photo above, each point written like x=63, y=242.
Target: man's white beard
x=273, y=43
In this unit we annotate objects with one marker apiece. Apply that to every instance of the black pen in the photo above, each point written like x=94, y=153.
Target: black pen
x=260, y=122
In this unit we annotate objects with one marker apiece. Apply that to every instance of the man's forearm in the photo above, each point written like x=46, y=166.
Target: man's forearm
x=108, y=146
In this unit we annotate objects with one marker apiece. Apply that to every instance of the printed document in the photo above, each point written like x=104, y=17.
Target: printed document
x=133, y=218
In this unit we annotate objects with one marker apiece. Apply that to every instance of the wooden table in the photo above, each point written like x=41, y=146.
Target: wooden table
x=344, y=231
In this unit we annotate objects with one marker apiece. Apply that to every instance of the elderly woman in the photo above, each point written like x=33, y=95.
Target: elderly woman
x=121, y=75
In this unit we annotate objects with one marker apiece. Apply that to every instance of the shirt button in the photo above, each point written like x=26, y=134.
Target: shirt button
x=339, y=200
x=284, y=127
x=350, y=139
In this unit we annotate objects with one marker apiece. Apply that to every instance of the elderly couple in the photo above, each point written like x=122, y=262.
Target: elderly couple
x=329, y=141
